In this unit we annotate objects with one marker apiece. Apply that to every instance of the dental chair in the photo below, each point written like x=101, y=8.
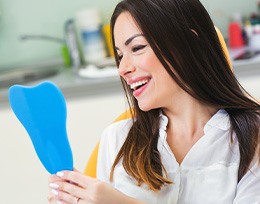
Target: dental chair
x=91, y=166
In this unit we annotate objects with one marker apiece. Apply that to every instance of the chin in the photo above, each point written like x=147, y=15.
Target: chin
x=145, y=107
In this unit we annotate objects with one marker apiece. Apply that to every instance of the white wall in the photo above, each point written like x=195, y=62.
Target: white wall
x=23, y=178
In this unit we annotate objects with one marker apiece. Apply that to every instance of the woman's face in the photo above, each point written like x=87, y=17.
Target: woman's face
x=149, y=81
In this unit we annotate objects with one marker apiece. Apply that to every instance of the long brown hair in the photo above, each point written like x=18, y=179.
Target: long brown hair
x=203, y=72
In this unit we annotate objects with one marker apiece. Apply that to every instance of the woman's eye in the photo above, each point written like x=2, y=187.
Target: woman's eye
x=137, y=48
x=119, y=57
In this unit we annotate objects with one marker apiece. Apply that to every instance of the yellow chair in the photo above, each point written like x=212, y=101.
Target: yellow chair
x=91, y=166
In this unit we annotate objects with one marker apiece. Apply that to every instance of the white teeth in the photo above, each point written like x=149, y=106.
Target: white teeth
x=139, y=83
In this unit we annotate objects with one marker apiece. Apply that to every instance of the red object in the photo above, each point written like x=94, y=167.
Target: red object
x=235, y=35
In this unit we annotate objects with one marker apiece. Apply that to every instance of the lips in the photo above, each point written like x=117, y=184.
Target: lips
x=138, y=86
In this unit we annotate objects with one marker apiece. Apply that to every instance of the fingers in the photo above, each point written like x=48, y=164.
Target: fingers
x=76, y=170
x=73, y=187
x=61, y=197
x=62, y=191
x=54, y=200
x=51, y=197
x=67, y=187
x=53, y=178
x=75, y=177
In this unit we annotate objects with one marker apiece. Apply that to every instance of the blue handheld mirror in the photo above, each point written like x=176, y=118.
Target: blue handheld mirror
x=42, y=111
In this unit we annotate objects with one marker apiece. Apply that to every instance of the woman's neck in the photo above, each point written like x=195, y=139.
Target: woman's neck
x=186, y=123
x=187, y=115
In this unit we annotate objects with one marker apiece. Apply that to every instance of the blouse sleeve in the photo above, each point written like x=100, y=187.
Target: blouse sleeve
x=104, y=161
x=248, y=189
x=111, y=141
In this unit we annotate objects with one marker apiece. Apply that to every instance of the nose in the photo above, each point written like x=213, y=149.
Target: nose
x=126, y=66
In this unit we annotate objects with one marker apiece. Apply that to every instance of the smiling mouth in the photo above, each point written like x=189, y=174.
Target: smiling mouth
x=138, y=84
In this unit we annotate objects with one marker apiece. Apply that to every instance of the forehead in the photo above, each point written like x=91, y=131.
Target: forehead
x=125, y=27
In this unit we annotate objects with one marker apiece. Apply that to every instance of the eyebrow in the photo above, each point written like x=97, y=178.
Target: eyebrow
x=129, y=40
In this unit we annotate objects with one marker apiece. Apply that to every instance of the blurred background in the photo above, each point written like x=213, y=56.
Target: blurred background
x=36, y=17
x=67, y=42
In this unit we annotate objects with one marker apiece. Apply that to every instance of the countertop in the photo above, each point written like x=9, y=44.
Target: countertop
x=74, y=86
x=247, y=71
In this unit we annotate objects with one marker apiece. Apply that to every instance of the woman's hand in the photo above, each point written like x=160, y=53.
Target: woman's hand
x=73, y=187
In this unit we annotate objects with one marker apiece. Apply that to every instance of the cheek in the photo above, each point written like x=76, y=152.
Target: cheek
x=149, y=62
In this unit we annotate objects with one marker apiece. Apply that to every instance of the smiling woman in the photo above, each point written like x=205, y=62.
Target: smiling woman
x=186, y=105
x=140, y=68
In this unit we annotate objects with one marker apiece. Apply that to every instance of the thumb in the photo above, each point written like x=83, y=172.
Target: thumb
x=76, y=170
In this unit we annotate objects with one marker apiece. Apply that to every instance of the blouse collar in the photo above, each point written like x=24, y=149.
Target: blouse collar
x=219, y=120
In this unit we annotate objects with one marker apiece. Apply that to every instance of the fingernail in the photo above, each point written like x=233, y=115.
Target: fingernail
x=54, y=192
x=54, y=185
x=60, y=173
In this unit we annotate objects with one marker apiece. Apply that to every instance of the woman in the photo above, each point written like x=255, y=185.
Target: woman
x=194, y=136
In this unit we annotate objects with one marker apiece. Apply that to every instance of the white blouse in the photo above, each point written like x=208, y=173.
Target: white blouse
x=207, y=175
